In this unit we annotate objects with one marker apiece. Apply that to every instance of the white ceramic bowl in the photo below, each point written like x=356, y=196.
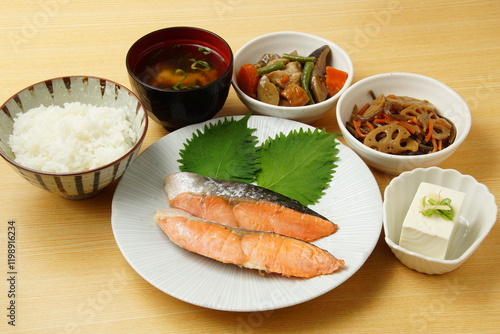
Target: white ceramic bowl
x=447, y=102
x=87, y=90
x=478, y=216
x=286, y=42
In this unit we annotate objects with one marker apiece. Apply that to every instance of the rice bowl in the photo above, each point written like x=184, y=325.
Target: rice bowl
x=85, y=90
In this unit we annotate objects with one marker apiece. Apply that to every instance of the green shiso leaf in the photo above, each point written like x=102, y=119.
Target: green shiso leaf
x=225, y=150
x=299, y=165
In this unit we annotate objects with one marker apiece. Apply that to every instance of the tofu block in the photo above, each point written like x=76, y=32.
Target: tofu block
x=430, y=235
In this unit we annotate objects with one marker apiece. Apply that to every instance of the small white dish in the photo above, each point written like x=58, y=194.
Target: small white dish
x=478, y=216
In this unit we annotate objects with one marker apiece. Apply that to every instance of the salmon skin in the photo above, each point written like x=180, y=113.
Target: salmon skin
x=243, y=205
x=265, y=251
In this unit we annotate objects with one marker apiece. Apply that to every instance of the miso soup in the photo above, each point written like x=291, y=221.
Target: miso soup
x=181, y=67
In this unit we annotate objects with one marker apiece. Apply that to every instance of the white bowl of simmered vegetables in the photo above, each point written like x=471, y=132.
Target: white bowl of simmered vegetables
x=401, y=121
x=291, y=75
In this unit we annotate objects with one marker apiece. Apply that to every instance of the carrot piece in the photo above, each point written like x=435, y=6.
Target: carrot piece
x=357, y=126
x=392, y=96
x=370, y=125
x=434, y=145
x=248, y=79
x=430, y=130
x=285, y=78
x=335, y=80
x=362, y=110
x=407, y=127
x=446, y=125
x=381, y=120
x=388, y=118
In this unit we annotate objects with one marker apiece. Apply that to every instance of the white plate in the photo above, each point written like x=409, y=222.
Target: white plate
x=353, y=201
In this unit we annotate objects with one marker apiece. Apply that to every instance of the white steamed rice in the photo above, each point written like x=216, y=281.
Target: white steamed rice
x=73, y=138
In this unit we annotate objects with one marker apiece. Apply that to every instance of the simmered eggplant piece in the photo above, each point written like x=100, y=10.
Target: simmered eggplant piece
x=319, y=90
x=320, y=55
x=318, y=87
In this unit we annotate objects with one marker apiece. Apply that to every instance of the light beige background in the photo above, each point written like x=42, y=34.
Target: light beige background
x=73, y=279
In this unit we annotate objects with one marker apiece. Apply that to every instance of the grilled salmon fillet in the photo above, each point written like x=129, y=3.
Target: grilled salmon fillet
x=243, y=205
x=265, y=251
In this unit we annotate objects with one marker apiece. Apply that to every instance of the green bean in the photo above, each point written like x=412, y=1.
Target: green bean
x=300, y=59
x=305, y=79
x=280, y=64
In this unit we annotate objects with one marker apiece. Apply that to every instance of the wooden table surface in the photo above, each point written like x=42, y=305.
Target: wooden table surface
x=71, y=276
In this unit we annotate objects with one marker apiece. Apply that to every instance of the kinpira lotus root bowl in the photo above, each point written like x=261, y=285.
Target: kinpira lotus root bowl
x=404, y=132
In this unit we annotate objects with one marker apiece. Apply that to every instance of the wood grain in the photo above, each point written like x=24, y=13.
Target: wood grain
x=72, y=277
